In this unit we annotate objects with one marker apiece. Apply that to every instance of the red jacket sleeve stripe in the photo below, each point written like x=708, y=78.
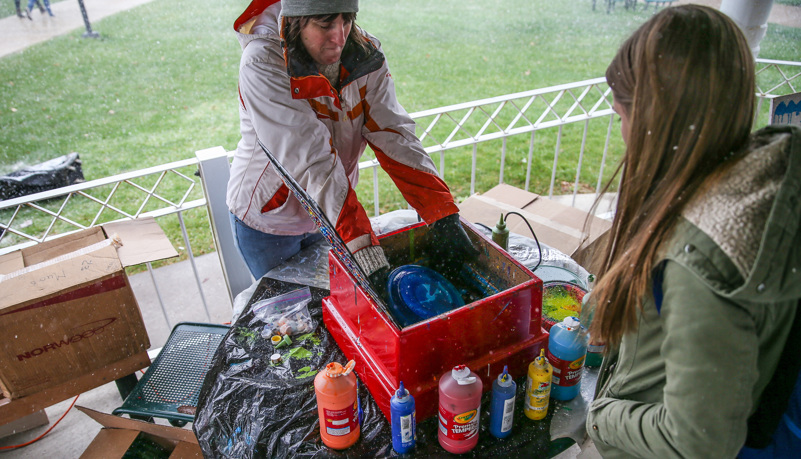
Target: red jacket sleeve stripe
x=427, y=193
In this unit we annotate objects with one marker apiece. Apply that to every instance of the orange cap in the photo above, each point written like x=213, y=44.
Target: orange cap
x=335, y=369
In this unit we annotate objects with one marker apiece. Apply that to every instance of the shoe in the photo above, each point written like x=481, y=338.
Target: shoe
x=50, y=13
x=28, y=13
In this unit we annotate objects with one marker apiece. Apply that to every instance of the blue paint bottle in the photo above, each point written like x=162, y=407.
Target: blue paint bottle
x=567, y=348
x=502, y=407
x=404, y=424
x=359, y=402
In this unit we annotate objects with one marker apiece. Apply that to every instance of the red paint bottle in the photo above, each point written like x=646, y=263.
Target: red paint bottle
x=459, y=409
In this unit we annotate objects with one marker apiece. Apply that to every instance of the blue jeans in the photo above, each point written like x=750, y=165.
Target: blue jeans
x=263, y=252
x=46, y=4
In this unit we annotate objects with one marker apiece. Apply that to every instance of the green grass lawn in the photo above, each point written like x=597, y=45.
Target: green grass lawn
x=161, y=81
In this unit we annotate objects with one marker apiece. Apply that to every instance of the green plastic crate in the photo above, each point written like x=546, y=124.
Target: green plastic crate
x=175, y=377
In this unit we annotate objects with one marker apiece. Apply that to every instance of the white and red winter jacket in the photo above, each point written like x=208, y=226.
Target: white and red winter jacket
x=319, y=135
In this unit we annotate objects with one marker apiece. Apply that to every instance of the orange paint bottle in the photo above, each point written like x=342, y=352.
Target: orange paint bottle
x=337, y=405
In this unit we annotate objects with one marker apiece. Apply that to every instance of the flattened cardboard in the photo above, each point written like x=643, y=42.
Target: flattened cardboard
x=110, y=443
x=118, y=422
x=11, y=262
x=513, y=196
x=557, y=225
x=142, y=240
x=186, y=450
x=118, y=433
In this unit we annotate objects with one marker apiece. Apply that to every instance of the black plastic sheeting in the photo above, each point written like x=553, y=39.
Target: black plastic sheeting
x=49, y=175
x=249, y=408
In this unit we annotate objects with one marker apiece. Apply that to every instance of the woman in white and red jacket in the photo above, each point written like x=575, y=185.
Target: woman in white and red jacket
x=315, y=89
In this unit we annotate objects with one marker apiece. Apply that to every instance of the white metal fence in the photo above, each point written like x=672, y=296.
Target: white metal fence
x=565, y=130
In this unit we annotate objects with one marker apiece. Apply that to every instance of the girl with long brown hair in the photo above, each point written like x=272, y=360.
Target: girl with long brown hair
x=698, y=289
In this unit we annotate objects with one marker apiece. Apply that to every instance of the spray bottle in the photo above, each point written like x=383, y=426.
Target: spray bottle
x=538, y=388
x=337, y=405
x=459, y=409
x=404, y=424
x=567, y=348
x=595, y=353
x=595, y=349
x=502, y=407
x=500, y=234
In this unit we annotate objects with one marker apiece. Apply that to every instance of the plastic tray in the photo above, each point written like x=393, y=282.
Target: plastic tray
x=175, y=377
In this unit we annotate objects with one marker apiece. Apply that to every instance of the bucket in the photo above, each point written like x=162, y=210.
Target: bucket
x=560, y=300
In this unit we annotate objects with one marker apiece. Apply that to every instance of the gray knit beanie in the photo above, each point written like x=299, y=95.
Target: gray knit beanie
x=293, y=8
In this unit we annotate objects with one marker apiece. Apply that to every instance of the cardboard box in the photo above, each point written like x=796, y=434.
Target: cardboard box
x=67, y=307
x=119, y=433
x=11, y=410
x=23, y=424
x=557, y=225
x=504, y=328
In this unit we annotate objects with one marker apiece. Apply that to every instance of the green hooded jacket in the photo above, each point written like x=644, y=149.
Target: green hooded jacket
x=685, y=382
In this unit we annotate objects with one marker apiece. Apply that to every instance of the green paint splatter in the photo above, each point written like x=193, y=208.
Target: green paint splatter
x=559, y=302
x=248, y=334
x=305, y=372
x=308, y=336
x=298, y=353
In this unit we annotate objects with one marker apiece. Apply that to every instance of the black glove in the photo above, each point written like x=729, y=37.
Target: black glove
x=449, y=246
x=378, y=280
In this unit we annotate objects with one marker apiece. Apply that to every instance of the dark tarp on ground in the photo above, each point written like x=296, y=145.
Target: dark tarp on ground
x=49, y=175
x=249, y=409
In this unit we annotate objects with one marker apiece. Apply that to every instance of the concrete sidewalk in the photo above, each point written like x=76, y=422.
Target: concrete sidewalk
x=17, y=33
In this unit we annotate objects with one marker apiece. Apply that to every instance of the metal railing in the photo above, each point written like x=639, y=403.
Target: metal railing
x=568, y=128
x=520, y=116
x=165, y=191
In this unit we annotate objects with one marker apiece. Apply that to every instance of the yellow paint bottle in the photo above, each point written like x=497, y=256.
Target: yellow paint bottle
x=538, y=387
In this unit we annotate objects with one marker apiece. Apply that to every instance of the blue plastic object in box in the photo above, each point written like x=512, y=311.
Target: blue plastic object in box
x=417, y=293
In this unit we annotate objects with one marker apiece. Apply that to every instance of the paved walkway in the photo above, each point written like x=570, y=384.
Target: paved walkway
x=17, y=33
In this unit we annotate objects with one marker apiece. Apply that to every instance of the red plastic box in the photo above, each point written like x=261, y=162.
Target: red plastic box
x=501, y=329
